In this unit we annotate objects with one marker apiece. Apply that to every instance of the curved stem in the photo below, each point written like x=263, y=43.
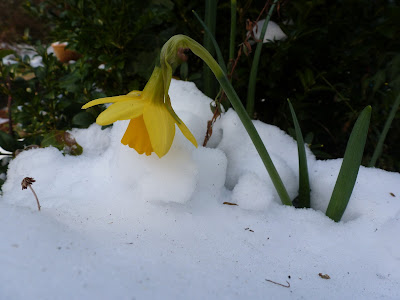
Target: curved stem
x=34, y=194
x=201, y=52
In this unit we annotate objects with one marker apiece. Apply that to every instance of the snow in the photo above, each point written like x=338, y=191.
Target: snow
x=273, y=33
x=24, y=50
x=118, y=225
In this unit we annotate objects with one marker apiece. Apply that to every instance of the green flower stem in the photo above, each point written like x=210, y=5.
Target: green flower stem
x=201, y=52
x=382, y=137
x=233, y=31
x=251, y=89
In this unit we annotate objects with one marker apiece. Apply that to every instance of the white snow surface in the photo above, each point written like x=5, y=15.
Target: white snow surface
x=24, y=50
x=118, y=225
x=273, y=33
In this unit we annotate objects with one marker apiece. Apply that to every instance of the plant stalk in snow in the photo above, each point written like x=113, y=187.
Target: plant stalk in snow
x=169, y=56
x=27, y=182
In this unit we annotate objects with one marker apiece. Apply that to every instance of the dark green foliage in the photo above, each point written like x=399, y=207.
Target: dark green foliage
x=46, y=101
x=339, y=57
x=125, y=36
x=53, y=96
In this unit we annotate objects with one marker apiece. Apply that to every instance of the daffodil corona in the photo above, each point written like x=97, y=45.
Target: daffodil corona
x=152, y=119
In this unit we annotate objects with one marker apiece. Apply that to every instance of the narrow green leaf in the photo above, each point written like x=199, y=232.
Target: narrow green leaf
x=237, y=104
x=251, y=89
x=382, y=137
x=304, y=183
x=220, y=58
x=350, y=166
x=210, y=20
x=83, y=119
x=233, y=30
x=256, y=139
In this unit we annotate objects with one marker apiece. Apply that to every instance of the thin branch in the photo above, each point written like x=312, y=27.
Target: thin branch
x=27, y=182
x=286, y=286
x=36, y=197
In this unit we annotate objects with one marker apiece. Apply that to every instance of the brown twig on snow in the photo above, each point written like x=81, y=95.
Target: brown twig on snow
x=27, y=182
x=286, y=286
x=210, y=124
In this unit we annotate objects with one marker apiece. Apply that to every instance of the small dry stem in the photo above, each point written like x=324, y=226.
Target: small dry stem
x=34, y=194
x=27, y=182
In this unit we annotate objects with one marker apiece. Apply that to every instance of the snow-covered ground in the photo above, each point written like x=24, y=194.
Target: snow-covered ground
x=117, y=225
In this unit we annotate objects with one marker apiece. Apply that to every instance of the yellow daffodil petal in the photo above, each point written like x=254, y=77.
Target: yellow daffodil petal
x=110, y=100
x=186, y=132
x=135, y=93
x=160, y=126
x=124, y=110
x=137, y=137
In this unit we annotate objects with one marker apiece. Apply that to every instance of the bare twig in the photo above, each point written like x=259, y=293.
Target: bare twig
x=286, y=286
x=27, y=182
x=211, y=122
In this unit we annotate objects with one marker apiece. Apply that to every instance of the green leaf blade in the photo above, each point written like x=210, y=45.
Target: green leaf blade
x=220, y=58
x=349, y=170
x=385, y=130
x=304, y=182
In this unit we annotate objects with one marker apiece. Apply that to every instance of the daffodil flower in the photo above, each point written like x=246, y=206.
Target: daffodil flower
x=152, y=120
x=152, y=125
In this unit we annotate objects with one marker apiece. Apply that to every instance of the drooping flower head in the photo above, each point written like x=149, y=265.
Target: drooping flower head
x=152, y=118
x=152, y=125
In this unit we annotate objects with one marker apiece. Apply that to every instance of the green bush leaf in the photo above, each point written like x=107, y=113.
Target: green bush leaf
x=7, y=142
x=63, y=141
x=5, y=52
x=83, y=119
